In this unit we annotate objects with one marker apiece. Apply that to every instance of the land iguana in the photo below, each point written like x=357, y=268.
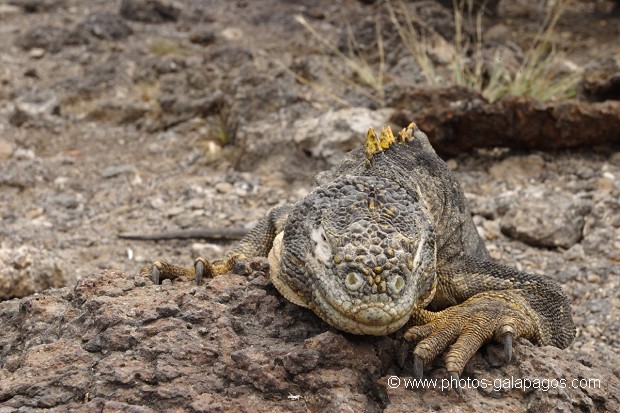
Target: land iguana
x=386, y=242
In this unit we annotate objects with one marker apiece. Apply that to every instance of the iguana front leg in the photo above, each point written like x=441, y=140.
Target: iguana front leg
x=257, y=243
x=485, y=301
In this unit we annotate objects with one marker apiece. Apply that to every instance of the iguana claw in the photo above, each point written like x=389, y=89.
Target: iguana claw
x=155, y=272
x=508, y=347
x=418, y=367
x=454, y=379
x=202, y=268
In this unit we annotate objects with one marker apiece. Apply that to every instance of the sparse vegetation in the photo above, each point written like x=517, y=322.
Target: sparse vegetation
x=538, y=75
x=162, y=47
x=224, y=132
x=363, y=70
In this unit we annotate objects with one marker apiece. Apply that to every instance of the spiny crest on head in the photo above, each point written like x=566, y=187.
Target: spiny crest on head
x=375, y=144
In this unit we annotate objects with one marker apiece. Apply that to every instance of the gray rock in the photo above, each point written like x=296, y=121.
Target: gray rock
x=68, y=200
x=38, y=6
x=24, y=173
x=115, y=343
x=116, y=170
x=150, y=11
x=603, y=240
x=519, y=8
x=203, y=37
x=117, y=112
x=334, y=133
x=6, y=149
x=255, y=96
x=26, y=270
x=105, y=26
x=35, y=107
x=553, y=386
x=223, y=187
x=544, y=218
x=8, y=11
x=50, y=38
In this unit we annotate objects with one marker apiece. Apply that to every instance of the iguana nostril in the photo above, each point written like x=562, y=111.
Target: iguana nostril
x=354, y=281
x=396, y=284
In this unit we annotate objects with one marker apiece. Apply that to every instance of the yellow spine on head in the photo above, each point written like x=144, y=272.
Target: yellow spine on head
x=387, y=138
x=373, y=144
x=406, y=134
x=376, y=144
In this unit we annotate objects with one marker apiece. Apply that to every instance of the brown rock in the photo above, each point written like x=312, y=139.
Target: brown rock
x=457, y=119
x=117, y=342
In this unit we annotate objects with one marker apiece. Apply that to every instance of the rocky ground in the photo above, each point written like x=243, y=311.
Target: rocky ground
x=143, y=116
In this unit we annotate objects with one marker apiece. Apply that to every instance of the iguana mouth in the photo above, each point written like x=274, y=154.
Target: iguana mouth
x=372, y=318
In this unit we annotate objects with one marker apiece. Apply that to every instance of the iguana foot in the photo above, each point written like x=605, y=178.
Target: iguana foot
x=203, y=268
x=497, y=315
x=162, y=270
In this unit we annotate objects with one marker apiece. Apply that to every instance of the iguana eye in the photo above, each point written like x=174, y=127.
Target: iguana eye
x=354, y=281
x=396, y=284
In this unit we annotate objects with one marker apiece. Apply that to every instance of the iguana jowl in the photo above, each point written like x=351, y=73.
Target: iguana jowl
x=385, y=242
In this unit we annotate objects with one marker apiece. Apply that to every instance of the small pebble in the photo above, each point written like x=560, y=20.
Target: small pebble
x=36, y=53
x=6, y=150
x=223, y=187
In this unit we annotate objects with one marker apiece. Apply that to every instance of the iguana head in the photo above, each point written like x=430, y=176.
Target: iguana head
x=359, y=252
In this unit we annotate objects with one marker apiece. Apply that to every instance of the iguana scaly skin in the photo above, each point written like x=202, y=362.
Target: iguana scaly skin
x=385, y=242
